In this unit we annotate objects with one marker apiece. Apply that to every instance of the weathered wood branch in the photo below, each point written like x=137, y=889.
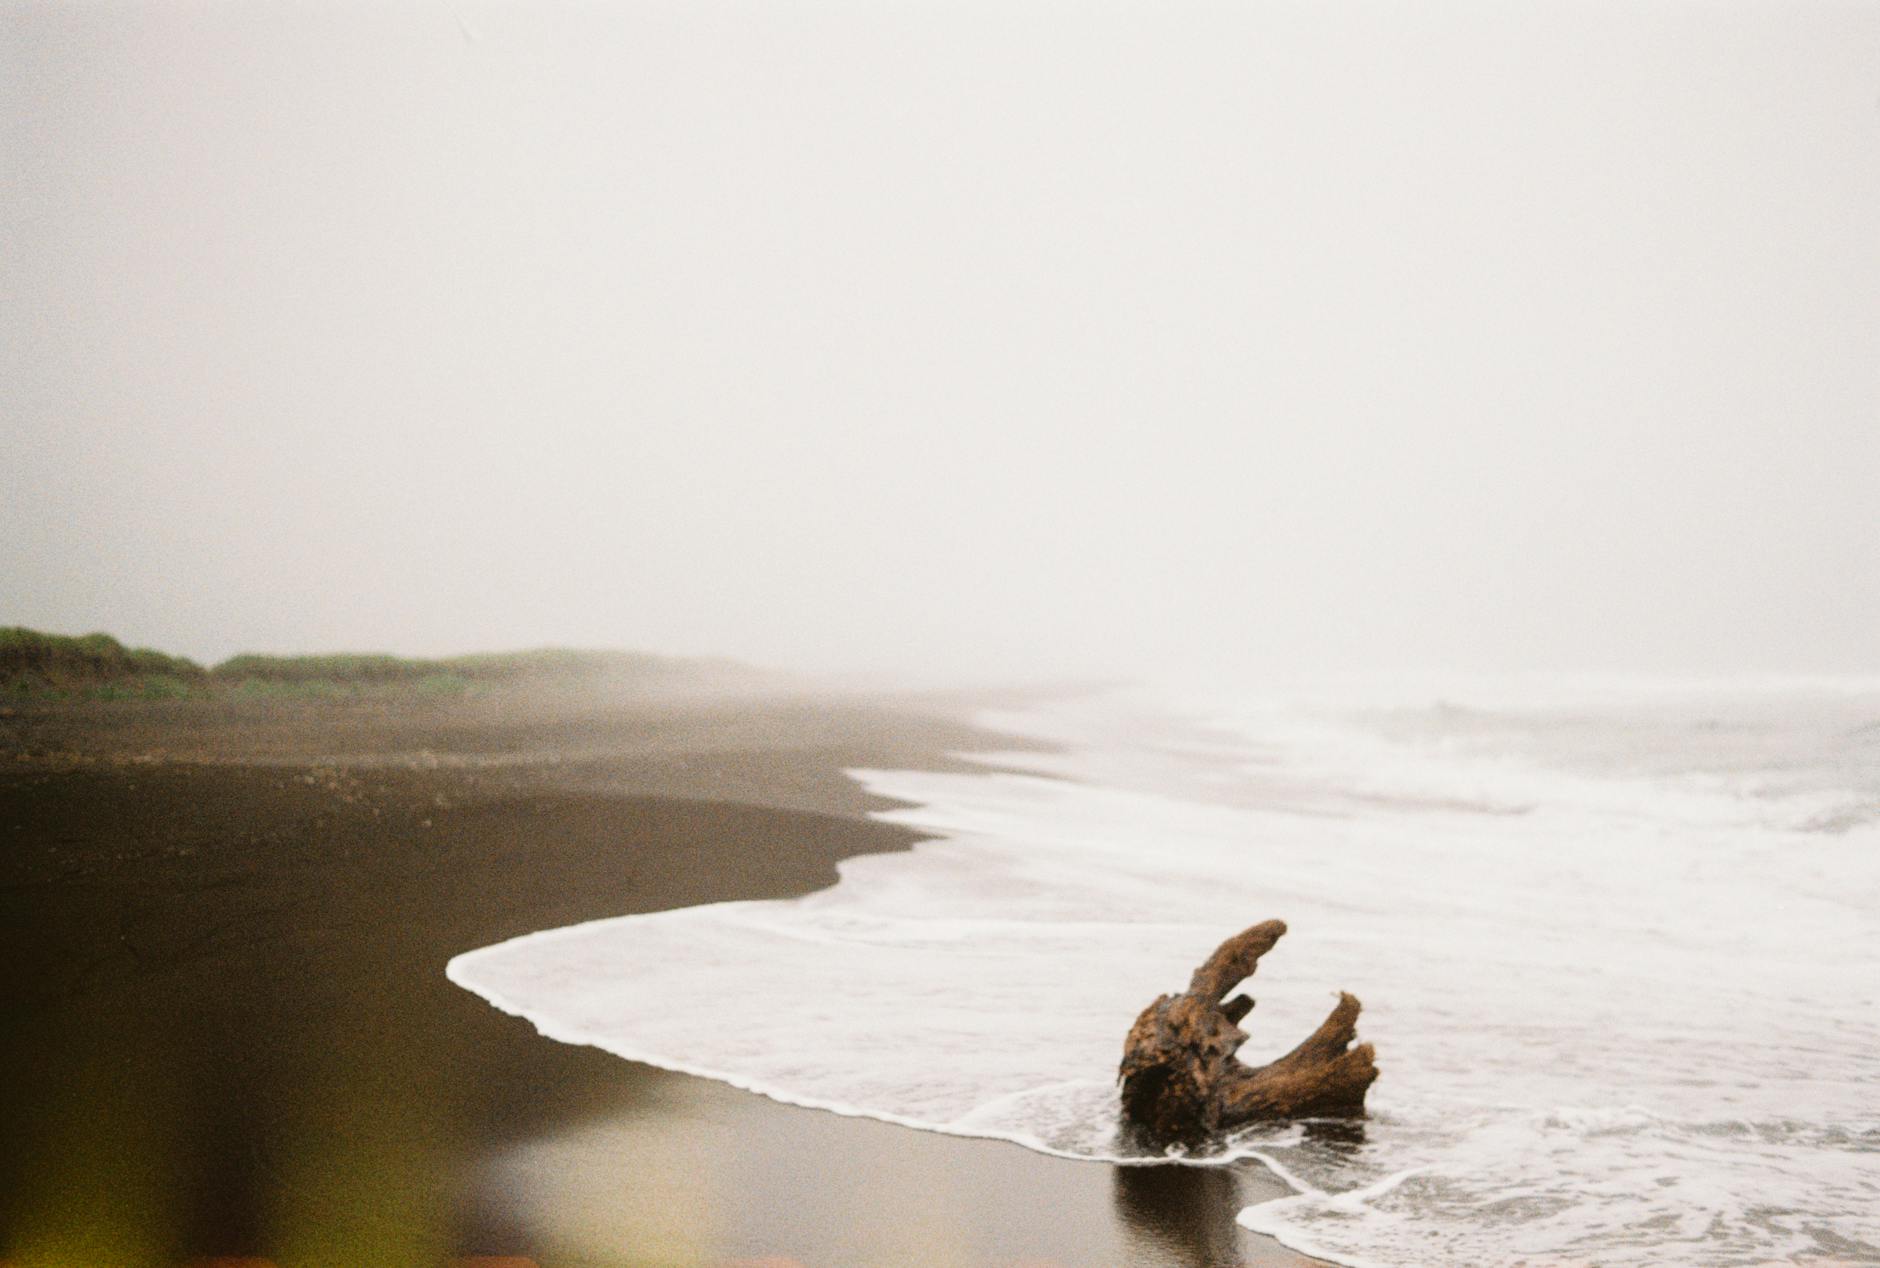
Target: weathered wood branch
x=1182, y=1082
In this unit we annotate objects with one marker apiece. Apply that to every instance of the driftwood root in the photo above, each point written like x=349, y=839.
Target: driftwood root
x=1182, y=1082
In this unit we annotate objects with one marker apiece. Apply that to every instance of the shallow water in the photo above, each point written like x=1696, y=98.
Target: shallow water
x=1617, y=944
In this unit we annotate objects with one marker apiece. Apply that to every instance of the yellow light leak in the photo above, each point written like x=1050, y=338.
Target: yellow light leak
x=362, y=1181
x=101, y=1192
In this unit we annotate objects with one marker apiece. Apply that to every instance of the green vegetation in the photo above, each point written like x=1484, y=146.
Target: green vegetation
x=32, y=663
x=338, y=667
x=97, y=666
x=446, y=676
x=361, y=668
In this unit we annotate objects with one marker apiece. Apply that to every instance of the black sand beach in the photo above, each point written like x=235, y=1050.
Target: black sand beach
x=228, y=1031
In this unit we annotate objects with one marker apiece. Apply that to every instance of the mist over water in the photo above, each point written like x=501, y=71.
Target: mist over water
x=964, y=340
x=1616, y=944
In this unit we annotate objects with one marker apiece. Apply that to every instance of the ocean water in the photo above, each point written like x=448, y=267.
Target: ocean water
x=1618, y=945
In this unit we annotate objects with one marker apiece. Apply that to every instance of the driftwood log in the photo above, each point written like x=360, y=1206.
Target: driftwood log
x=1182, y=1082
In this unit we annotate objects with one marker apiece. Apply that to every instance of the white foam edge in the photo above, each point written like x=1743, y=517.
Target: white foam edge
x=460, y=969
x=1286, y=1236
x=569, y=1035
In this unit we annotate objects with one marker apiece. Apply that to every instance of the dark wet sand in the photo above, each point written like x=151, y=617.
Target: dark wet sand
x=227, y=1029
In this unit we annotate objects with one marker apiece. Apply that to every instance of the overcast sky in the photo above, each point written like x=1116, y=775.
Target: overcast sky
x=949, y=338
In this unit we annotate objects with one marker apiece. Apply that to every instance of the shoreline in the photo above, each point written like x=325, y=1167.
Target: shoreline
x=230, y=1017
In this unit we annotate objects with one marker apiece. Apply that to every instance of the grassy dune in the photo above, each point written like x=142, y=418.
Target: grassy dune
x=38, y=665
x=32, y=663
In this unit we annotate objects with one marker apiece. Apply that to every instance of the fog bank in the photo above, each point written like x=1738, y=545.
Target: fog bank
x=948, y=338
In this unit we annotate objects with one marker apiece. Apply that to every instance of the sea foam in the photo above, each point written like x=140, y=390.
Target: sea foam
x=1616, y=943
